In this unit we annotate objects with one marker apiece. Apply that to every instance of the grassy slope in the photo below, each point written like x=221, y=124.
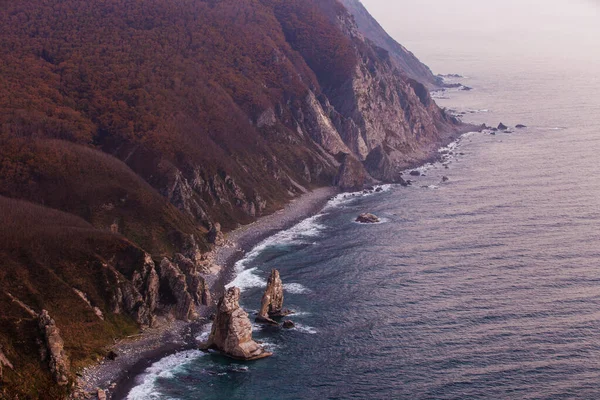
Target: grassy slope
x=62, y=252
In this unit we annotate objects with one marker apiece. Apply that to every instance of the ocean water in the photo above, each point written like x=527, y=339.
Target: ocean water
x=486, y=286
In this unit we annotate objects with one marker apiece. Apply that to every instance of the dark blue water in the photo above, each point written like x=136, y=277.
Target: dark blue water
x=483, y=287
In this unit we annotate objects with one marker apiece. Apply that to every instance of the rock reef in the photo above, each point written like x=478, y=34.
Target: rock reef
x=231, y=332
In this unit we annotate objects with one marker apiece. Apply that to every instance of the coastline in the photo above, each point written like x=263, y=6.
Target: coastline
x=136, y=354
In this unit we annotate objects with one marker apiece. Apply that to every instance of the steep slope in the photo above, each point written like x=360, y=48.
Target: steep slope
x=137, y=126
x=387, y=120
x=65, y=260
x=404, y=59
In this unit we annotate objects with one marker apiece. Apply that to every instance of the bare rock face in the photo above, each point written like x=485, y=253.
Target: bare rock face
x=101, y=394
x=4, y=362
x=196, y=283
x=55, y=346
x=272, y=301
x=215, y=236
x=352, y=175
x=175, y=283
x=232, y=330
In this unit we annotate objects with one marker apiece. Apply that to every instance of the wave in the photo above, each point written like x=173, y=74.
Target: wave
x=345, y=198
x=165, y=368
x=247, y=279
x=305, y=329
x=302, y=233
x=296, y=288
x=203, y=336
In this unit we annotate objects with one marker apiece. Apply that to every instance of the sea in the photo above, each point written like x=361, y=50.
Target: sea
x=482, y=286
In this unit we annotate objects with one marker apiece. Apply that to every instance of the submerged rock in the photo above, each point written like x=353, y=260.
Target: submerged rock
x=445, y=179
x=54, y=347
x=288, y=324
x=272, y=301
x=368, y=218
x=521, y=126
x=231, y=332
x=415, y=173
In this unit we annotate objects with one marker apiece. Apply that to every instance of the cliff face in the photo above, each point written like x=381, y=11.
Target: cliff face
x=405, y=60
x=140, y=128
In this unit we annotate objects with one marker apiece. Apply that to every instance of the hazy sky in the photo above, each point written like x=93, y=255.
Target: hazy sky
x=550, y=28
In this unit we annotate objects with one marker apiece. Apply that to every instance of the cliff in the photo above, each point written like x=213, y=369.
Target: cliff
x=130, y=132
x=405, y=60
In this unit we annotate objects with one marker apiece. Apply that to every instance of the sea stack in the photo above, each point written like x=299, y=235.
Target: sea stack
x=231, y=333
x=272, y=301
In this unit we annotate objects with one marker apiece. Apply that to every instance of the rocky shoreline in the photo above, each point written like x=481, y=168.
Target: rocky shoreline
x=135, y=354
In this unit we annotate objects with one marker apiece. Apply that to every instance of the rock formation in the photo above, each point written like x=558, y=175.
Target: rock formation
x=176, y=293
x=231, y=332
x=215, y=236
x=288, y=324
x=54, y=347
x=352, y=175
x=367, y=218
x=4, y=362
x=196, y=283
x=502, y=127
x=272, y=301
x=405, y=59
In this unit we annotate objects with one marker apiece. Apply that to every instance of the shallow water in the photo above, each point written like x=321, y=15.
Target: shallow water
x=485, y=286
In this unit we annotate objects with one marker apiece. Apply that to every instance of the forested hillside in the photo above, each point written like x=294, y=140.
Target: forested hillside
x=129, y=129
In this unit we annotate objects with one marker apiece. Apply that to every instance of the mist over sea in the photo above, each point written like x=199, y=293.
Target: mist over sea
x=486, y=286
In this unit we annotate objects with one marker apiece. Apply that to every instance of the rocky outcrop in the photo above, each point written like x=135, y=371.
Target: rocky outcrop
x=288, y=324
x=404, y=59
x=101, y=394
x=183, y=286
x=137, y=297
x=367, y=218
x=85, y=299
x=53, y=349
x=4, y=362
x=174, y=291
x=231, y=332
x=352, y=175
x=145, y=280
x=196, y=282
x=215, y=236
x=272, y=301
x=502, y=127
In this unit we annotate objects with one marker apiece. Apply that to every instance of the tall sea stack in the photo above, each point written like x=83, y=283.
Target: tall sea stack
x=272, y=301
x=231, y=333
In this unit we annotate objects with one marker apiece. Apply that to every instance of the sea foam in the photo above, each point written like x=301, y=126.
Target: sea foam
x=165, y=368
x=302, y=233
